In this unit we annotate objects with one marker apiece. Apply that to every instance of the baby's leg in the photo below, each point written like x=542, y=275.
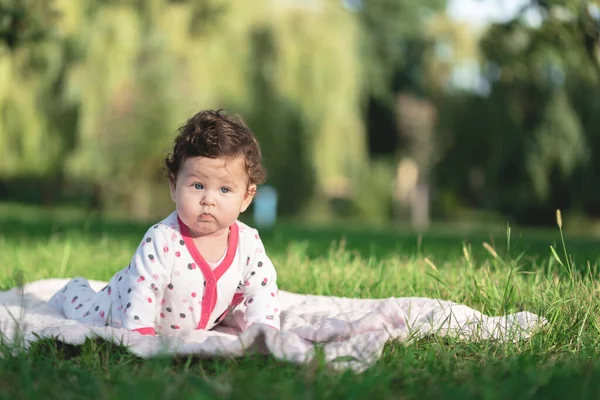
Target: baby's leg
x=78, y=301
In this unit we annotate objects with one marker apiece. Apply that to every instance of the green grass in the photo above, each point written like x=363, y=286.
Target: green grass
x=561, y=361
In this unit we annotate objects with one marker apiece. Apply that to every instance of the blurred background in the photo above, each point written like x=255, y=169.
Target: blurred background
x=376, y=112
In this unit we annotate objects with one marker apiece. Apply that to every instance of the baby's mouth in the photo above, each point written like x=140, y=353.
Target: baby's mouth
x=206, y=217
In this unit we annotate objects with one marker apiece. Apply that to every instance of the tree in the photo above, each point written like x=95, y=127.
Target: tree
x=118, y=77
x=528, y=139
x=405, y=77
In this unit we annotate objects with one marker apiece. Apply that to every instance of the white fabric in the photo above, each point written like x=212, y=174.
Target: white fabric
x=352, y=332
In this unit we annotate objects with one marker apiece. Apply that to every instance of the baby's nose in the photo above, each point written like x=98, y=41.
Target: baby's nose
x=207, y=199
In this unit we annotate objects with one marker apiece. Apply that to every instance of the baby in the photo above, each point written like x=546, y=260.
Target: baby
x=200, y=262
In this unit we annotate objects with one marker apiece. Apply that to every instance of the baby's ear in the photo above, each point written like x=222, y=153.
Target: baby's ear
x=250, y=192
x=172, y=186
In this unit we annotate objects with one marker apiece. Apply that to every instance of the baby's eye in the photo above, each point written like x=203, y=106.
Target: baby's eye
x=225, y=190
x=198, y=186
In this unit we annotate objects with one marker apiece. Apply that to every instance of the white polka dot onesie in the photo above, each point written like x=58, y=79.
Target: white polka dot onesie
x=169, y=286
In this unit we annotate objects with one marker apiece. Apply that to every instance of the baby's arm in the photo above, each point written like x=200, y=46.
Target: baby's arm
x=260, y=290
x=147, y=275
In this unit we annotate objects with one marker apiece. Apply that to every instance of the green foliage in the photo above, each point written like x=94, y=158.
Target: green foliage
x=91, y=94
x=25, y=21
x=559, y=143
x=99, y=102
x=531, y=142
x=391, y=27
x=374, y=200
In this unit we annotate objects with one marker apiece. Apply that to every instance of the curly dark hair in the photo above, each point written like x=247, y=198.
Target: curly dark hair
x=213, y=134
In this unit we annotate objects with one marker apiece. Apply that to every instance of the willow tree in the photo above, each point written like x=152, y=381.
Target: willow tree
x=31, y=67
x=119, y=77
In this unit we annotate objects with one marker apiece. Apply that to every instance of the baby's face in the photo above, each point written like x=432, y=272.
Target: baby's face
x=210, y=193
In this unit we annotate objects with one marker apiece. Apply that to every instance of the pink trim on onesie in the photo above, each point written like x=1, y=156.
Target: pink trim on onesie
x=210, y=293
x=145, y=331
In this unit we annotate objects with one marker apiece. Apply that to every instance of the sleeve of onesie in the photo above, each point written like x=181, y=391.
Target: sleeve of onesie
x=260, y=288
x=147, y=275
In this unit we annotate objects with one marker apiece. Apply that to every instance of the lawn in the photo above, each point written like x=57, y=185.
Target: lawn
x=511, y=272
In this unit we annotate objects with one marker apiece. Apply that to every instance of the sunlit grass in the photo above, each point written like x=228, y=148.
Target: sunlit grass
x=496, y=275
